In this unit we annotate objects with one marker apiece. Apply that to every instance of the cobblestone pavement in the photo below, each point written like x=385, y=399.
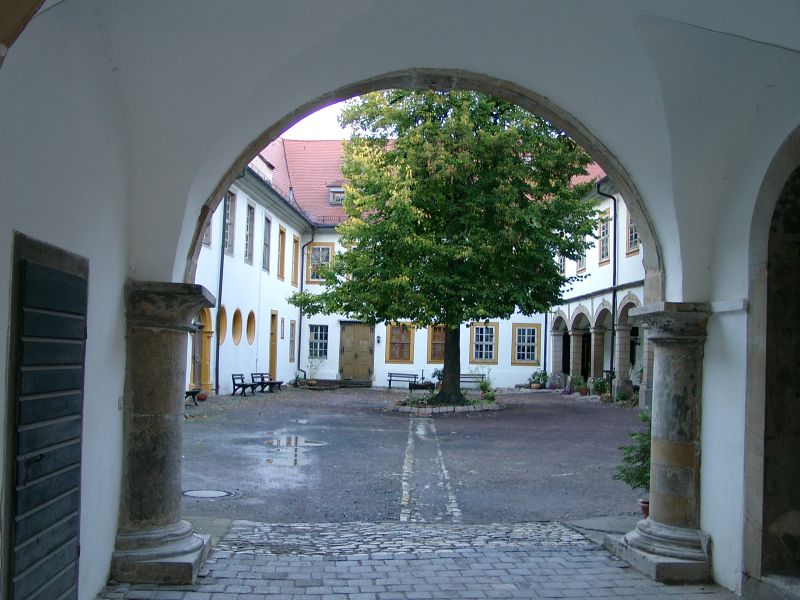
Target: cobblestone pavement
x=394, y=561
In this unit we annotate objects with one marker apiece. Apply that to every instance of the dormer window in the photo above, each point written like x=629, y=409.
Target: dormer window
x=336, y=196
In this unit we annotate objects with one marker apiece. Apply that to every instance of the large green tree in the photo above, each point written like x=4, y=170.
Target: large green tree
x=458, y=205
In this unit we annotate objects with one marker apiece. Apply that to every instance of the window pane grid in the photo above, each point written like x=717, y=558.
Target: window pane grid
x=399, y=343
x=320, y=255
x=633, y=235
x=265, y=249
x=230, y=212
x=318, y=341
x=437, y=343
x=484, y=343
x=604, y=239
x=526, y=344
x=248, y=234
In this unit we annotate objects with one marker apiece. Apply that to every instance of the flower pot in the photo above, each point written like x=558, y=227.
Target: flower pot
x=644, y=505
x=202, y=396
x=583, y=391
x=536, y=386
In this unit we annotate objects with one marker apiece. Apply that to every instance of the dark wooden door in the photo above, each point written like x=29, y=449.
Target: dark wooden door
x=49, y=333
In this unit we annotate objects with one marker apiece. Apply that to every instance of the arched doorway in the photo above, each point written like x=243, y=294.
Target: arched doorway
x=559, y=334
x=601, y=336
x=781, y=543
x=772, y=457
x=628, y=359
x=580, y=343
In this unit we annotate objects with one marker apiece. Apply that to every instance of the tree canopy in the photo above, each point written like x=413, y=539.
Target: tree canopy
x=457, y=205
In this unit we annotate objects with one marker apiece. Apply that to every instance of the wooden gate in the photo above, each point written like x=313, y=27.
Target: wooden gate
x=47, y=362
x=356, y=352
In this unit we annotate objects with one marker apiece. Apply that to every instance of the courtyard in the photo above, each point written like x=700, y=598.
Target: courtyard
x=332, y=495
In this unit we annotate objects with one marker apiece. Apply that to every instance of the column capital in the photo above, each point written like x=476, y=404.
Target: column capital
x=597, y=330
x=673, y=320
x=577, y=332
x=622, y=328
x=164, y=305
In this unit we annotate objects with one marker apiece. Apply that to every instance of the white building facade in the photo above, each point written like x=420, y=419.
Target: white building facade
x=273, y=247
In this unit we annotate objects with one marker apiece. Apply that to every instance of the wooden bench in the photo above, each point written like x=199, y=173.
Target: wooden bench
x=409, y=377
x=263, y=382
x=472, y=377
x=192, y=393
x=240, y=384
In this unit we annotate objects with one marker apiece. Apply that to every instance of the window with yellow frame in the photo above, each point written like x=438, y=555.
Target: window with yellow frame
x=483, y=342
x=281, y=253
x=317, y=254
x=400, y=343
x=526, y=341
x=604, y=238
x=436, y=344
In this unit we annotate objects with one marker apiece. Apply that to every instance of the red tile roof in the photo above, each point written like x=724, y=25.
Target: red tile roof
x=305, y=170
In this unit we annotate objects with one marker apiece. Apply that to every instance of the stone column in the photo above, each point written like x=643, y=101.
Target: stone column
x=153, y=544
x=622, y=358
x=557, y=344
x=669, y=545
x=598, y=348
x=575, y=347
x=648, y=356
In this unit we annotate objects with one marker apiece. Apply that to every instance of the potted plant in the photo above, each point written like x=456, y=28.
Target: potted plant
x=599, y=386
x=538, y=380
x=634, y=469
x=578, y=384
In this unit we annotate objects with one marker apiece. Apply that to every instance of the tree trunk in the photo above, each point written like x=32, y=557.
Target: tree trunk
x=450, y=392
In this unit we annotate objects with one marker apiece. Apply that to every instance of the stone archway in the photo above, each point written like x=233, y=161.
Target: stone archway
x=772, y=505
x=153, y=542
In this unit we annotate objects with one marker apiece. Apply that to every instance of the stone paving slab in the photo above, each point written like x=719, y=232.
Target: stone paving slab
x=393, y=561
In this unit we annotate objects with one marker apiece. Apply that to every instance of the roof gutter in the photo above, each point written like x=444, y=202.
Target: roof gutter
x=613, y=243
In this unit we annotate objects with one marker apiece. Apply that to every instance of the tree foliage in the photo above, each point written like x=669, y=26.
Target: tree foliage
x=458, y=204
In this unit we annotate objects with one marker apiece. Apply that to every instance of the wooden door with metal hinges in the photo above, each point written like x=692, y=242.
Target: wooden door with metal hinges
x=356, y=352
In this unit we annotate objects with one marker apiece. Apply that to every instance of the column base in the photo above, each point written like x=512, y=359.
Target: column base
x=171, y=555
x=664, y=553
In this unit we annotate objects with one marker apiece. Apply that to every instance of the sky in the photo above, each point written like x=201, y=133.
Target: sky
x=321, y=125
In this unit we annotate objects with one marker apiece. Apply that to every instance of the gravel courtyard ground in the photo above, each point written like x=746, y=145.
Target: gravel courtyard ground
x=340, y=456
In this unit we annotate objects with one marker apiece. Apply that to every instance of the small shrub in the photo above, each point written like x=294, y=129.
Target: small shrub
x=622, y=396
x=488, y=393
x=437, y=375
x=634, y=469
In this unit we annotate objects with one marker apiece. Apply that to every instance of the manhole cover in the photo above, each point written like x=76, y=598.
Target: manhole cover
x=207, y=493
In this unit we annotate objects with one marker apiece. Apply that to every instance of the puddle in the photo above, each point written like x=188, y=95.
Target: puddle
x=288, y=450
x=207, y=493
